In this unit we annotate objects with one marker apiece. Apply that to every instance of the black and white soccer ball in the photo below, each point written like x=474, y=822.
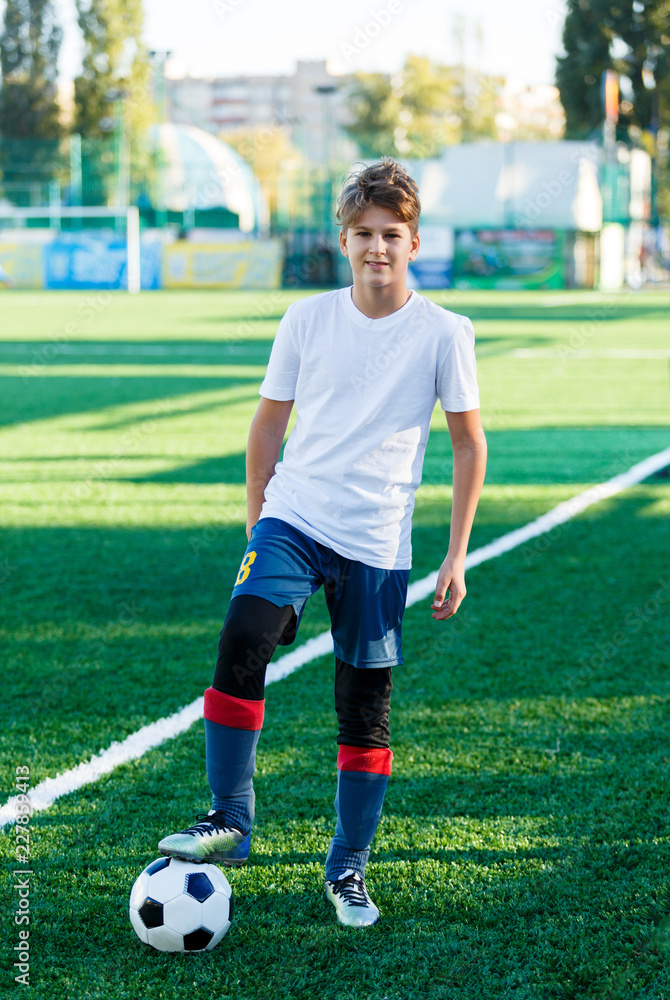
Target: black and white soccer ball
x=180, y=906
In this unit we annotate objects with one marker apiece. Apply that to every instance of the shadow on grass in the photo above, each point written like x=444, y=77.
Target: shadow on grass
x=541, y=455
x=144, y=606
x=35, y=355
x=522, y=309
x=223, y=469
x=605, y=857
x=574, y=902
x=537, y=456
x=562, y=921
x=43, y=398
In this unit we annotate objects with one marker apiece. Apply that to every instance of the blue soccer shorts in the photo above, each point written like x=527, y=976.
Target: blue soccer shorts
x=366, y=604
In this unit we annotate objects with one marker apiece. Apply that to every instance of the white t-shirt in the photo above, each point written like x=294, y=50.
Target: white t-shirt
x=364, y=392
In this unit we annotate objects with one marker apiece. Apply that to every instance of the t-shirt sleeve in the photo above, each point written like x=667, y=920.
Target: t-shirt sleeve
x=281, y=376
x=456, y=381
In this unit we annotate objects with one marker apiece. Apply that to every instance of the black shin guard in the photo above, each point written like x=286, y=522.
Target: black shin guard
x=251, y=632
x=363, y=703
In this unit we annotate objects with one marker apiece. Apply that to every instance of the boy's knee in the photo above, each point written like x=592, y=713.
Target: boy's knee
x=249, y=637
x=363, y=703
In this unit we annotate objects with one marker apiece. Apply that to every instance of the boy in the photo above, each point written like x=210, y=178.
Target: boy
x=364, y=366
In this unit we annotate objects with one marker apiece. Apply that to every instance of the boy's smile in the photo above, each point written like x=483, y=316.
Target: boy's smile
x=379, y=247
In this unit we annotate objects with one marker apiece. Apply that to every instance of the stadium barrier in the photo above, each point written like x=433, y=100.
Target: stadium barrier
x=23, y=263
x=99, y=260
x=253, y=264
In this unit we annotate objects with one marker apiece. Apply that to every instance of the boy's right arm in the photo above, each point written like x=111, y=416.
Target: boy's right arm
x=266, y=436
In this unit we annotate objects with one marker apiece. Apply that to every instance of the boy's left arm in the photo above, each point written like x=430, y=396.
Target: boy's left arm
x=469, y=446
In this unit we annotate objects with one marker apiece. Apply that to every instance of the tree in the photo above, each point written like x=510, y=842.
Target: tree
x=114, y=68
x=428, y=97
x=269, y=152
x=374, y=113
x=421, y=110
x=29, y=48
x=113, y=101
x=633, y=38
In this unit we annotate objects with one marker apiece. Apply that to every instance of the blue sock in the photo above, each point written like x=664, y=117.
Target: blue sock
x=231, y=754
x=358, y=805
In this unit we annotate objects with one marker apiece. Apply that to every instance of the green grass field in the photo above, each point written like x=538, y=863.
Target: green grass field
x=524, y=850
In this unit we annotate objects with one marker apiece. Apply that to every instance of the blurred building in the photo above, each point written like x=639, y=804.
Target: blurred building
x=201, y=174
x=533, y=215
x=528, y=112
x=308, y=104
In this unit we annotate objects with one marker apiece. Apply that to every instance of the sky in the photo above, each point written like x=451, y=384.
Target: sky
x=516, y=38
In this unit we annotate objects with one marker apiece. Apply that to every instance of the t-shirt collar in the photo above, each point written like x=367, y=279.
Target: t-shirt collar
x=382, y=322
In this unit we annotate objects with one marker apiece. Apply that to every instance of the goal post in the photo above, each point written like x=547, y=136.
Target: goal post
x=133, y=249
x=53, y=214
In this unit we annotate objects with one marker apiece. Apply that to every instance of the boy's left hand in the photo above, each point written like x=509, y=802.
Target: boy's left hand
x=451, y=577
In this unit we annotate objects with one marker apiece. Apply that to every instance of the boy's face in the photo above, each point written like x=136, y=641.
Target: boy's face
x=379, y=247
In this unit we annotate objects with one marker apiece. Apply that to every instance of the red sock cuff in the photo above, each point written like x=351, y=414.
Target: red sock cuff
x=376, y=760
x=238, y=713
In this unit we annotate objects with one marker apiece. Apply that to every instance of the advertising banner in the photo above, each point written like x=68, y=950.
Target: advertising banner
x=256, y=264
x=509, y=258
x=22, y=264
x=431, y=273
x=81, y=261
x=434, y=267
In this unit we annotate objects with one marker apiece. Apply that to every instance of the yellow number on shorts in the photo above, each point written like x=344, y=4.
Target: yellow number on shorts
x=247, y=563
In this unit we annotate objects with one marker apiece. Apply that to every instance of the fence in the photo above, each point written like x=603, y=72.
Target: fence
x=110, y=172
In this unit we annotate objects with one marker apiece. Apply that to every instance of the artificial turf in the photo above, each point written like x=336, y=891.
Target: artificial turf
x=524, y=847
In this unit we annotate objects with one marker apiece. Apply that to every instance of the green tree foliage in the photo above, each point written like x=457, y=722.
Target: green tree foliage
x=374, y=114
x=29, y=48
x=114, y=104
x=421, y=110
x=114, y=68
x=579, y=72
x=274, y=160
x=629, y=36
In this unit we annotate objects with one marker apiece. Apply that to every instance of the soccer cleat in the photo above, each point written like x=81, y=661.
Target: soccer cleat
x=351, y=900
x=211, y=839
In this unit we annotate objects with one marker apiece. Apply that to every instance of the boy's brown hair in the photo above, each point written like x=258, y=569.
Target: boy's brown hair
x=386, y=184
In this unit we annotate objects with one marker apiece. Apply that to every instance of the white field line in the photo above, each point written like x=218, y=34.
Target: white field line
x=611, y=353
x=48, y=791
x=79, y=347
